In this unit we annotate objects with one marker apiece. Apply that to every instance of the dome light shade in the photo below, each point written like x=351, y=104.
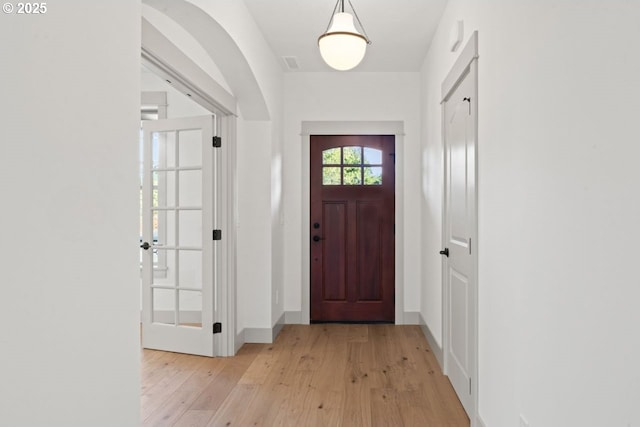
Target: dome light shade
x=342, y=47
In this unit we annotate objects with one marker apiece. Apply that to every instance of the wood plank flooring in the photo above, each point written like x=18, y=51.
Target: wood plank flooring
x=313, y=375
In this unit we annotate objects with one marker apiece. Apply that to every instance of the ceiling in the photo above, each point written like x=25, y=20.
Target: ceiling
x=400, y=30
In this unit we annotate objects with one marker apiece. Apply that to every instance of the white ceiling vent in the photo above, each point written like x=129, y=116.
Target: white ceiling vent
x=291, y=62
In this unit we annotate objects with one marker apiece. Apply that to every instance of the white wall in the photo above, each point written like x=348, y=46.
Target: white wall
x=237, y=21
x=259, y=248
x=69, y=308
x=351, y=97
x=277, y=220
x=254, y=231
x=558, y=207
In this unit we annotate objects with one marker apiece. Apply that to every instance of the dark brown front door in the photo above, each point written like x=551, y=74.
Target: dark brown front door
x=352, y=228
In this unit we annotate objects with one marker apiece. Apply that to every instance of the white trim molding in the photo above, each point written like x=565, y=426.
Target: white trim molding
x=352, y=128
x=258, y=335
x=411, y=318
x=227, y=218
x=263, y=335
x=436, y=349
x=239, y=341
x=165, y=59
x=395, y=128
x=277, y=327
x=457, y=72
x=293, y=317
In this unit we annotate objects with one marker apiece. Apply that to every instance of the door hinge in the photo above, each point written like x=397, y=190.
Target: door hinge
x=217, y=234
x=469, y=245
x=470, y=386
x=217, y=142
x=217, y=328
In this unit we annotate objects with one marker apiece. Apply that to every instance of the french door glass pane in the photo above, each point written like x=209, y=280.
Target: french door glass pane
x=190, y=308
x=190, y=274
x=190, y=188
x=190, y=148
x=163, y=150
x=190, y=225
x=168, y=257
x=164, y=306
x=164, y=188
x=164, y=226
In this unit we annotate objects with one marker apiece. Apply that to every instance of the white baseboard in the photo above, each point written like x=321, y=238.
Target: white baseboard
x=293, y=317
x=264, y=335
x=258, y=335
x=239, y=341
x=278, y=327
x=411, y=317
x=479, y=421
x=435, y=348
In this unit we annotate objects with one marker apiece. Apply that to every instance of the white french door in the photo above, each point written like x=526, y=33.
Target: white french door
x=179, y=256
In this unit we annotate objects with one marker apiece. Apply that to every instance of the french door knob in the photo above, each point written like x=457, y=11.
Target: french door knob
x=445, y=252
x=145, y=246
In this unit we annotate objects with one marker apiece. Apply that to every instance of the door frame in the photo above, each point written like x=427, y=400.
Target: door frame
x=465, y=65
x=163, y=58
x=309, y=128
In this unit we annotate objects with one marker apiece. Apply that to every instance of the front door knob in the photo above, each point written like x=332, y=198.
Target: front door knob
x=445, y=252
x=316, y=238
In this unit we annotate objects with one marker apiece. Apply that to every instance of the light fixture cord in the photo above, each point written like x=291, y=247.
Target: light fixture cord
x=359, y=22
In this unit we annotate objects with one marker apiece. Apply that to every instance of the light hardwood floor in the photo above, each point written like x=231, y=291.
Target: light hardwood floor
x=313, y=375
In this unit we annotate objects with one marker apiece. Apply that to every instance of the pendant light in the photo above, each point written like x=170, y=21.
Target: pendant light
x=341, y=46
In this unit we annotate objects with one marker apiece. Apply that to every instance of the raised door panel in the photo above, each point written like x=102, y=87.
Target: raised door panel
x=369, y=250
x=334, y=247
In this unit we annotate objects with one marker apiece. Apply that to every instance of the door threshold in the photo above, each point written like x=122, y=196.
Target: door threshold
x=353, y=322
